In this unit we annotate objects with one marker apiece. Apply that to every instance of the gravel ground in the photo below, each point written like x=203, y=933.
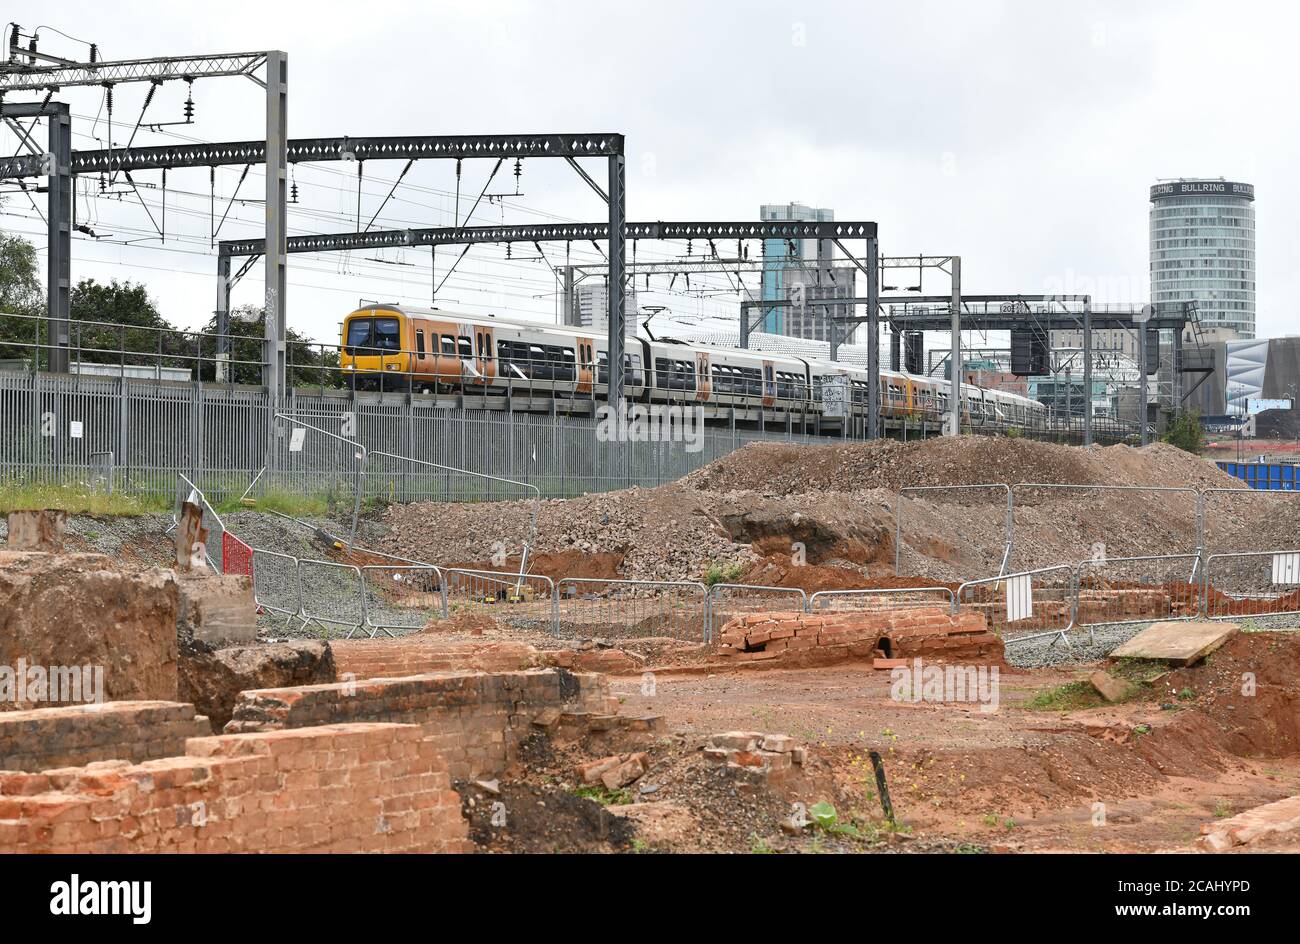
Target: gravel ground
x=1050, y=651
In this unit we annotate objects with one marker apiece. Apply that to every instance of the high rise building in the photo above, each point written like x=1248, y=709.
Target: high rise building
x=802, y=270
x=1203, y=250
x=591, y=304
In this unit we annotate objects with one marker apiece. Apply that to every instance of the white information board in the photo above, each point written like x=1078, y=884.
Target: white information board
x=1020, y=598
x=1286, y=567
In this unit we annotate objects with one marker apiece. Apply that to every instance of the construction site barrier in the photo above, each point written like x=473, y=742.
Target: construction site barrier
x=332, y=594
x=999, y=488
x=727, y=600
x=585, y=607
x=1145, y=589
x=890, y=598
x=1252, y=583
x=402, y=596
x=1031, y=603
x=276, y=588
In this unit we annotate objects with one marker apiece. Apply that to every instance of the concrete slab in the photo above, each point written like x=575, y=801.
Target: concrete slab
x=1177, y=641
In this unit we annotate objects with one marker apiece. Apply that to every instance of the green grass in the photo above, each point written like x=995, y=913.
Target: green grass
x=286, y=503
x=598, y=793
x=77, y=499
x=1067, y=697
x=719, y=574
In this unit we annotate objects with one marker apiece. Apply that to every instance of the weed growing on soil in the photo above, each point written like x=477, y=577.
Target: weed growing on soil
x=759, y=846
x=1068, y=697
x=1222, y=809
x=719, y=574
x=76, y=499
x=598, y=793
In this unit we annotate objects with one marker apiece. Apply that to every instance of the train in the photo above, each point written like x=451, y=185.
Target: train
x=429, y=350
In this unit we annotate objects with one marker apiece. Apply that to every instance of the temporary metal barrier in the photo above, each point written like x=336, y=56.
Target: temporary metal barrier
x=236, y=556
x=1031, y=603
x=891, y=598
x=1244, y=520
x=1119, y=590
x=423, y=486
x=727, y=600
x=592, y=607
x=1252, y=583
x=1000, y=491
x=283, y=464
x=102, y=468
x=275, y=583
x=1158, y=516
x=522, y=600
x=404, y=596
x=331, y=594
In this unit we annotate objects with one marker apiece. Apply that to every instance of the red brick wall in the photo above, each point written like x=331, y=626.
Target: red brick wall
x=477, y=720
x=419, y=655
x=810, y=638
x=341, y=788
x=71, y=736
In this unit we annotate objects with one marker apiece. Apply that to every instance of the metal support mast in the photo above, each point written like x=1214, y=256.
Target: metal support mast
x=277, y=168
x=617, y=289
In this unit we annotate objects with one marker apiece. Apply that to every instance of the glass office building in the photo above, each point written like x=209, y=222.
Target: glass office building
x=1203, y=250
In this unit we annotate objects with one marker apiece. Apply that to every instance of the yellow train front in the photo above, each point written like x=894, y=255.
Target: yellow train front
x=377, y=347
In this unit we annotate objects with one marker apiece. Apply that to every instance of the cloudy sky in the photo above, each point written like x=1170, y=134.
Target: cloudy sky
x=1021, y=135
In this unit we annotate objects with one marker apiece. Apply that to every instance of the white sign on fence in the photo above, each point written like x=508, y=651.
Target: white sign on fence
x=1286, y=568
x=297, y=436
x=1020, y=598
x=75, y=429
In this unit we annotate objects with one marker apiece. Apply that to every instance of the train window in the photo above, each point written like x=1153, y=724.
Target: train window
x=686, y=371
x=358, y=334
x=419, y=343
x=448, y=345
x=564, y=367
x=387, y=335
x=543, y=364
x=466, y=349
x=665, y=375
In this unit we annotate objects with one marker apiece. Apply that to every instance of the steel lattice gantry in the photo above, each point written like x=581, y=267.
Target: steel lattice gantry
x=564, y=232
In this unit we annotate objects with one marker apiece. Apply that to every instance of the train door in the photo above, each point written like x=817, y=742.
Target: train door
x=483, y=362
x=586, y=366
x=703, y=382
x=442, y=347
x=769, y=384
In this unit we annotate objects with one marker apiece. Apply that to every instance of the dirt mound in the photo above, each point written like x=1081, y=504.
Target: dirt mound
x=787, y=469
x=461, y=624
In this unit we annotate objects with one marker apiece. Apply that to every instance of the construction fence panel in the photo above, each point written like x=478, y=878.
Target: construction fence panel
x=402, y=597
x=729, y=600
x=1052, y=524
x=275, y=582
x=1242, y=520
x=869, y=601
x=1145, y=589
x=332, y=595
x=522, y=601
x=1024, y=605
x=627, y=609
x=1250, y=584
x=968, y=526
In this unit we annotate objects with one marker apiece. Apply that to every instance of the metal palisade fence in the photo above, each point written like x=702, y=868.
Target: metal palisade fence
x=142, y=434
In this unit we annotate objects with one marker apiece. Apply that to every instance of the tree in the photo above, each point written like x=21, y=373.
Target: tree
x=20, y=294
x=119, y=321
x=310, y=364
x=1185, y=432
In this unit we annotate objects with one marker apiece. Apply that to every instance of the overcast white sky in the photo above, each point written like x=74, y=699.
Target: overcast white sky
x=1021, y=135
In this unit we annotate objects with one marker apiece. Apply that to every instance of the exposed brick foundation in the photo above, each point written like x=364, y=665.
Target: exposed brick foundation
x=419, y=655
x=71, y=736
x=476, y=720
x=811, y=638
x=339, y=788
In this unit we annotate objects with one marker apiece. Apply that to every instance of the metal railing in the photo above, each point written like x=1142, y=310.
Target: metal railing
x=332, y=594
x=402, y=596
x=1252, y=583
x=890, y=598
x=586, y=607
x=1145, y=589
x=999, y=488
x=523, y=600
x=276, y=588
x=1031, y=603
x=728, y=600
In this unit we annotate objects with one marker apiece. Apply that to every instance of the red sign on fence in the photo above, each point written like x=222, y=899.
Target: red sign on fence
x=236, y=556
